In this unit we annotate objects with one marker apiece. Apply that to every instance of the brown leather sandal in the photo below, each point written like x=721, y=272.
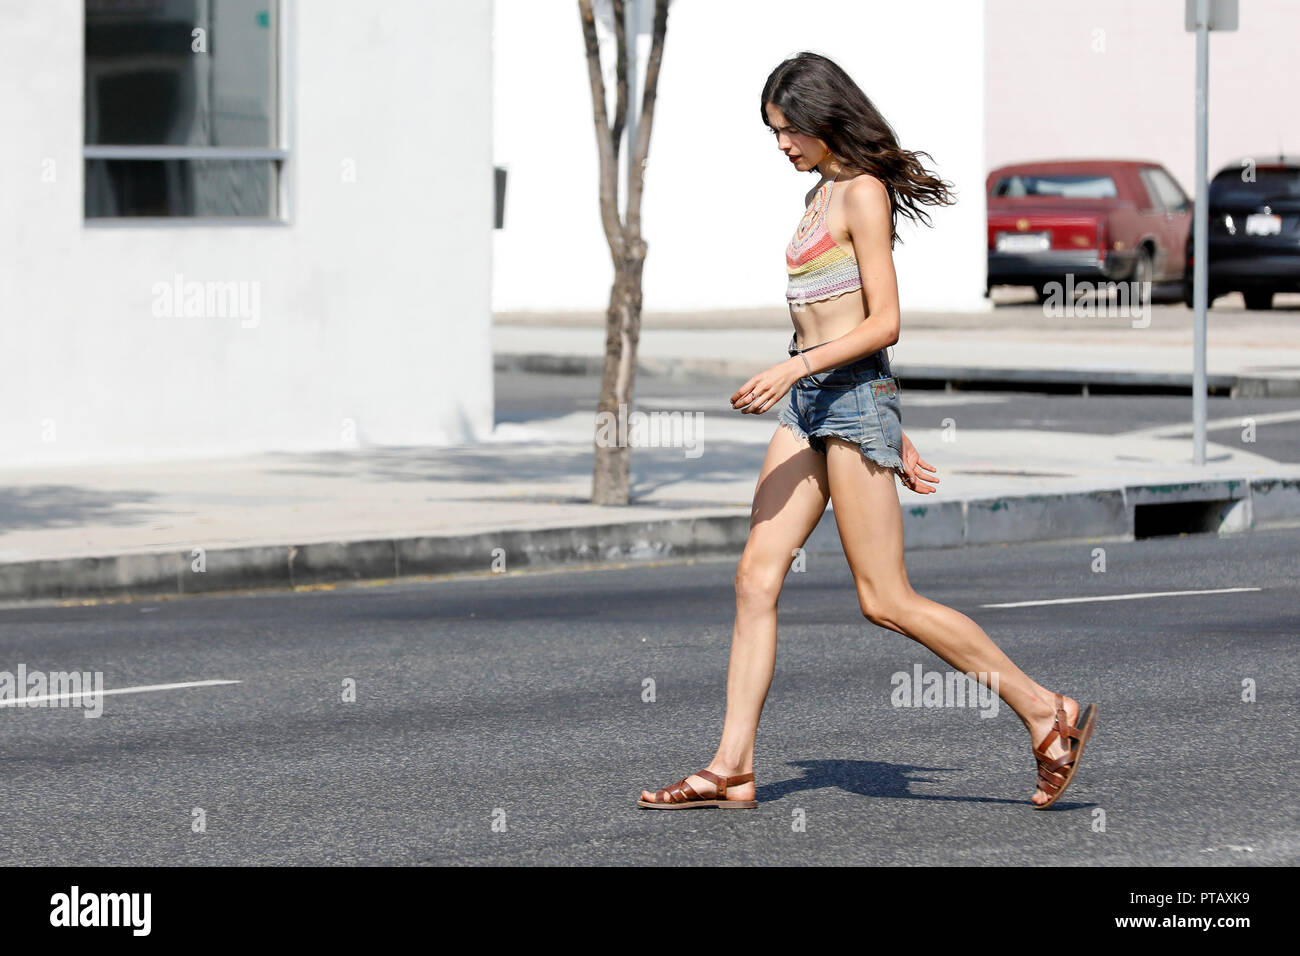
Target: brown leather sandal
x=1055, y=773
x=681, y=795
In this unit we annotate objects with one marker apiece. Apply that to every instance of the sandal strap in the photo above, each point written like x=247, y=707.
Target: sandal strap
x=1050, y=777
x=721, y=783
x=1062, y=761
x=1054, y=764
x=679, y=792
x=1071, y=731
x=1062, y=729
x=1063, y=724
x=1050, y=773
x=1063, y=721
x=1041, y=750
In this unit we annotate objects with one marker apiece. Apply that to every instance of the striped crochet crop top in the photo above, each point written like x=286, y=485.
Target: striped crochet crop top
x=818, y=267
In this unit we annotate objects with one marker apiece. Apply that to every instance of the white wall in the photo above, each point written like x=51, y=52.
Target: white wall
x=1116, y=78
x=721, y=201
x=375, y=300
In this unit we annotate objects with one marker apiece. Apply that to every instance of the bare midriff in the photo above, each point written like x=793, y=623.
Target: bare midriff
x=827, y=319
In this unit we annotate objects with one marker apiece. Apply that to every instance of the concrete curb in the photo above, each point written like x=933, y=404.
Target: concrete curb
x=933, y=376
x=1222, y=506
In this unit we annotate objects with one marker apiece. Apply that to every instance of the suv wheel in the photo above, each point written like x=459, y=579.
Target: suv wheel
x=1258, y=300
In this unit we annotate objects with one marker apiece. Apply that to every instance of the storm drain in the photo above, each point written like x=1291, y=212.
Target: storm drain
x=1181, y=517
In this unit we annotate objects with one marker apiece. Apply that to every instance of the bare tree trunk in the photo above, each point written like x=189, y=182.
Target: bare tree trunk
x=610, y=475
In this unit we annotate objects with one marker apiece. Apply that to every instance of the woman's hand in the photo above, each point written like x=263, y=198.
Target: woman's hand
x=918, y=481
x=764, y=390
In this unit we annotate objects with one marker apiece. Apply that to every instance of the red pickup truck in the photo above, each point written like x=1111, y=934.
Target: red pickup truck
x=1099, y=220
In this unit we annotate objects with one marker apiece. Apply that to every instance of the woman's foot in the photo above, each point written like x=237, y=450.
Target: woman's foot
x=1041, y=726
x=705, y=788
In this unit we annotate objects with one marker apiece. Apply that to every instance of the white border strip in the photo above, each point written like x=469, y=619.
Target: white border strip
x=1119, y=597
x=120, y=690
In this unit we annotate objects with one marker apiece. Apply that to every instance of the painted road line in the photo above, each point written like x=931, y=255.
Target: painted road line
x=143, y=689
x=1216, y=424
x=1119, y=597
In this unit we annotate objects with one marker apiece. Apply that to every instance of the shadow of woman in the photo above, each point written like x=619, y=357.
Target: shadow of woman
x=874, y=778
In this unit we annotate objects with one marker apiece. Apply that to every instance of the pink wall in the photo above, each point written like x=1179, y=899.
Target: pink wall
x=1116, y=78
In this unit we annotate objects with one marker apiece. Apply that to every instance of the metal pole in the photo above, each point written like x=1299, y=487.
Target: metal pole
x=1200, y=225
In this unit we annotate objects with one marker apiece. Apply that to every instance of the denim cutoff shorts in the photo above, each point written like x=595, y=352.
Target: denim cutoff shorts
x=858, y=402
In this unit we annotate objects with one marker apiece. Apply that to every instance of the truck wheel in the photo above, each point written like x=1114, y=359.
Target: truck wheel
x=1143, y=270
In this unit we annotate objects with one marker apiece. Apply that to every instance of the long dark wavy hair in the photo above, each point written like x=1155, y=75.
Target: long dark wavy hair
x=819, y=99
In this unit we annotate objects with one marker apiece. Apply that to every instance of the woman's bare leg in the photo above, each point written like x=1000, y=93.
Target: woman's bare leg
x=789, y=500
x=870, y=521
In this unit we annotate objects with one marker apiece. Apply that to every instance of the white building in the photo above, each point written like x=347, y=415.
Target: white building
x=314, y=176
x=247, y=225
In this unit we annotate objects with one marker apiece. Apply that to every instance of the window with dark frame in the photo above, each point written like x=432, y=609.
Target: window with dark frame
x=183, y=109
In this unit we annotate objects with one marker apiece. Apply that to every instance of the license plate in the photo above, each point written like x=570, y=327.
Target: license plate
x=1023, y=242
x=1261, y=224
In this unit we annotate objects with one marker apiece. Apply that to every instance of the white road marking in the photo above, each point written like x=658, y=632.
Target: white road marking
x=1119, y=597
x=143, y=689
x=918, y=398
x=1216, y=424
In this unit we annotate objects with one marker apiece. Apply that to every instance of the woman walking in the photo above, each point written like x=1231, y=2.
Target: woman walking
x=841, y=438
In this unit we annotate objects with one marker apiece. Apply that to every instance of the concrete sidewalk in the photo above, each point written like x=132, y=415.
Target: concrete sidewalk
x=520, y=499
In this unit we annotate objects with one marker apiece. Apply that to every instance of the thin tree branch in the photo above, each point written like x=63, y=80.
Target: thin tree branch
x=614, y=233
x=636, y=162
x=620, y=103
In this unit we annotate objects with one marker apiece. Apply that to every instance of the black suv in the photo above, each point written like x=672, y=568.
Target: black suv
x=1254, y=232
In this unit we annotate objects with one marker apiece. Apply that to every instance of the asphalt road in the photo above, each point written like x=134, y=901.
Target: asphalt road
x=518, y=700
x=524, y=397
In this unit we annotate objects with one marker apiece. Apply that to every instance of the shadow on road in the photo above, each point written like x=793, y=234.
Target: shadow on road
x=875, y=778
